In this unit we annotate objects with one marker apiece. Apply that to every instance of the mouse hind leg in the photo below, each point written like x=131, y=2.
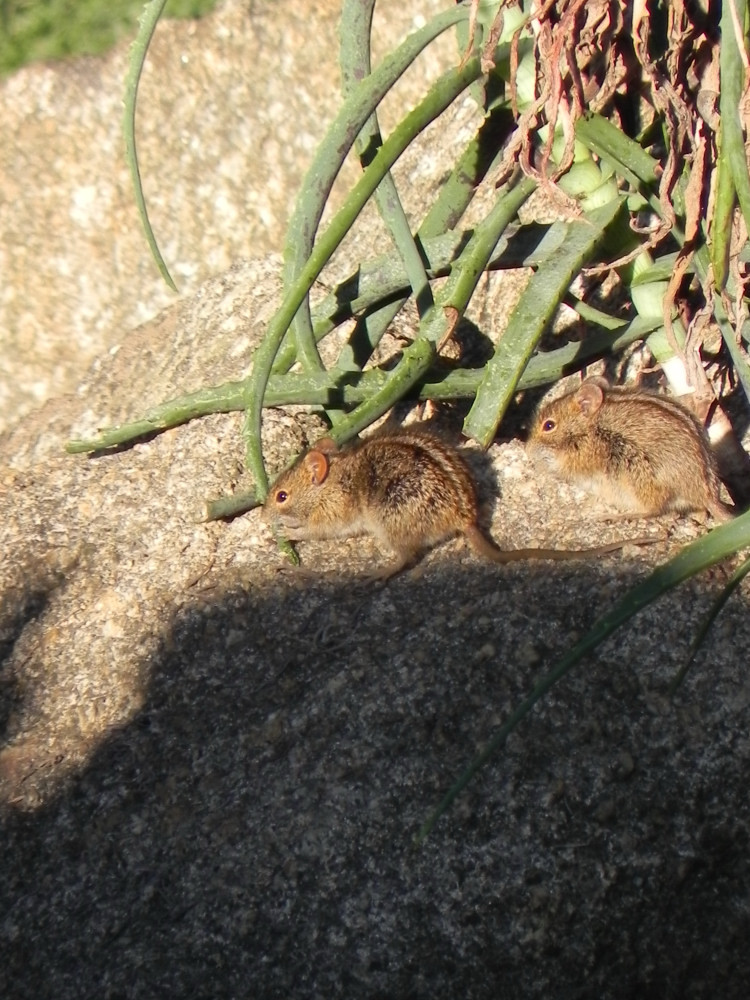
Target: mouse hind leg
x=402, y=559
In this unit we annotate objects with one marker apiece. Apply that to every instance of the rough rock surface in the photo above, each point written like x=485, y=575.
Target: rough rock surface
x=213, y=765
x=230, y=110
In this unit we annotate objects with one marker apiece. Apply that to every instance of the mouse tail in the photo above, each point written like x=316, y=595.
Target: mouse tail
x=486, y=548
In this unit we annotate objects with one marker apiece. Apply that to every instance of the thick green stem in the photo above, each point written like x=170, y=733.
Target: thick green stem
x=623, y=153
x=721, y=223
x=328, y=160
x=441, y=95
x=733, y=85
x=356, y=23
x=442, y=319
x=410, y=371
x=536, y=307
x=338, y=388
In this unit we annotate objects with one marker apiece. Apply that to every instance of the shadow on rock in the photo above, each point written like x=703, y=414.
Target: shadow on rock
x=249, y=832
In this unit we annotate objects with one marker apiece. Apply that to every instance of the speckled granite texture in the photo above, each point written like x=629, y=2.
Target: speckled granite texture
x=230, y=111
x=213, y=766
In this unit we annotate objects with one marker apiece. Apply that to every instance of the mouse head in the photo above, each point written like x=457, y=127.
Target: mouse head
x=297, y=491
x=581, y=405
x=310, y=472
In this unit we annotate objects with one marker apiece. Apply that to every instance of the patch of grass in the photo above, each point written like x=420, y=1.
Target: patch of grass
x=33, y=30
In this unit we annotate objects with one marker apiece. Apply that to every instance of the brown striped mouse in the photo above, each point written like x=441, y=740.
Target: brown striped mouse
x=408, y=488
x=645, y=453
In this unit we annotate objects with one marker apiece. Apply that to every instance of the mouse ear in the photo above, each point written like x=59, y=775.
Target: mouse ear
x=327, y=445
x=316, y=463
x=590, y=397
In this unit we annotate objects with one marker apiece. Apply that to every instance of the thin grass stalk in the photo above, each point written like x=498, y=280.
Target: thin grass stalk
x=714, y=611
x=438, y=226
x=147, y=25
x=439, y=322
x=356, y=24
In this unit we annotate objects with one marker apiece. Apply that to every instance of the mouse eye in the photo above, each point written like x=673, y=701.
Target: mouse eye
x=549, y=425
x=282, y=496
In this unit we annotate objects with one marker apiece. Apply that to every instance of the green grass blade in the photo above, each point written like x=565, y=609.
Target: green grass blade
x=452, y=300
x=356, y=22
x=732, y=584
x=385, y=279
x=718, y=544
x=731, y=91
x=226, y=398
x=721, y=222
x=536, y=307
x=148, y=21
x=437, y=229
x=474, y=258
x=660, y=270
x=597, y=316
x=414, y=363
x=627, y=158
